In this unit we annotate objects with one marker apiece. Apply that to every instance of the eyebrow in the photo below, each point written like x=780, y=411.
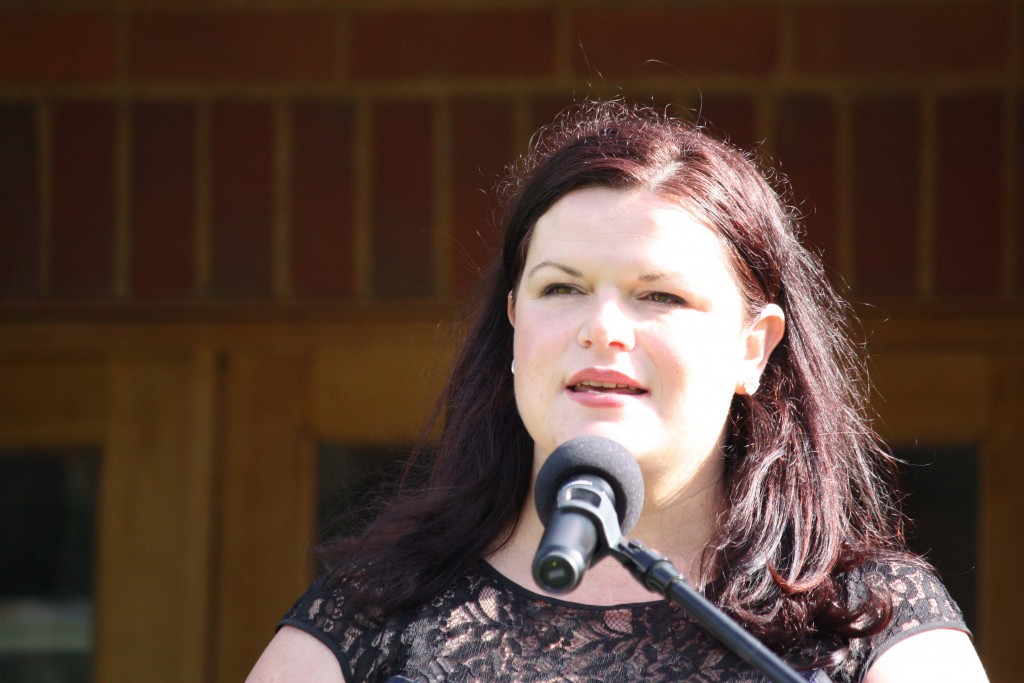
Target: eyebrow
x=568, y=270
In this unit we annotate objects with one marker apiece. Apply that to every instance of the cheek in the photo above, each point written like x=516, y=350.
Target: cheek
x=535, y=351
x=538, y=338
x=699, y=367
x=697, y=390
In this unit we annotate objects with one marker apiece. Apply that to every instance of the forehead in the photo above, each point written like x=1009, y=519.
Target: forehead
x=616, y=224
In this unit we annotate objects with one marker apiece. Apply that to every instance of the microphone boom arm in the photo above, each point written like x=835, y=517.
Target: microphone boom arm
x=660, y=576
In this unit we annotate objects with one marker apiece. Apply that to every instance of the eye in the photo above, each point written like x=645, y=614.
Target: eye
x=559, y=289
x=664, y=298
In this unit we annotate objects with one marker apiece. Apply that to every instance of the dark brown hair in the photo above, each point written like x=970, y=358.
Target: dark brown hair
x=811, y=495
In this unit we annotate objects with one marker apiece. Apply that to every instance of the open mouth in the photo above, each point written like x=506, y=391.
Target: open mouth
x=595, y=387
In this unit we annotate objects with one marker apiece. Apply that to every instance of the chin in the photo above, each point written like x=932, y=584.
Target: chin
x=630, y=438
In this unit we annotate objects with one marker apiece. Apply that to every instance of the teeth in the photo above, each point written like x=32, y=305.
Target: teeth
x=602, y=385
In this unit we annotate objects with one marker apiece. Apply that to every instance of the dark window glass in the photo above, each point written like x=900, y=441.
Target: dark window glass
x=47, y=523
x=353, y=482
x=941, y=486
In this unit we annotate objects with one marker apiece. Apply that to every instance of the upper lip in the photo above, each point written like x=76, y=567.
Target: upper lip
x=605, y=376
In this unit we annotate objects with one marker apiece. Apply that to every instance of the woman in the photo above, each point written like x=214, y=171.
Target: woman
x=651, y=289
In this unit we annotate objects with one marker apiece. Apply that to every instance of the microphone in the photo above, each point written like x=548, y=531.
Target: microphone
x=588, y=493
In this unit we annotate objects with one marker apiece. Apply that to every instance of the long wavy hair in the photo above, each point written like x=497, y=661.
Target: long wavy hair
x=811, y=495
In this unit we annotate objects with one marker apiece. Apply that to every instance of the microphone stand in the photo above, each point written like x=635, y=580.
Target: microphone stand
x=659, y=575
x=560, y=562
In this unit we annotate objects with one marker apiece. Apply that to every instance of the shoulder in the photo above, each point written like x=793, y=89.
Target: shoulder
x=332, y=615
x=917, y=596
x=926, y=638
x=326, y=609
x=932, y=656
x=295, y=655
x=337, y=615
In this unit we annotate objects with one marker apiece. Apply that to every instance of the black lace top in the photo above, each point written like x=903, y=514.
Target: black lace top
x=486, y=628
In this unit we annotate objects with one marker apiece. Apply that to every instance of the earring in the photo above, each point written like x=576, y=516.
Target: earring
x=513, y=366
x=751, y=384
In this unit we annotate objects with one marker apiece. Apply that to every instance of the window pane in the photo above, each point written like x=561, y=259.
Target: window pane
x=941, y=484
x=47, y=521
x=350, y=478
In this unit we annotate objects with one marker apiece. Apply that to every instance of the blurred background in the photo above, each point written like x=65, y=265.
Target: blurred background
x=236, y=239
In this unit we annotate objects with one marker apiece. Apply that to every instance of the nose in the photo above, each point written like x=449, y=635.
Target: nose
x=608, y=325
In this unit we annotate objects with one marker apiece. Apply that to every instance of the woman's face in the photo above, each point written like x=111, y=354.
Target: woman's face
x=629, y=325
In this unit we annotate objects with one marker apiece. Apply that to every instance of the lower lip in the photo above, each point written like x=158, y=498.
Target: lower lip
x=603, y=399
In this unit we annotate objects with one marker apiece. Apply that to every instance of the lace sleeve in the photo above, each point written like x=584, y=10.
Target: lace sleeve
x=920, y=603
x=362, y=646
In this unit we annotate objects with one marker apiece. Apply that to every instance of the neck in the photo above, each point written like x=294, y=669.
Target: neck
x=678, y=526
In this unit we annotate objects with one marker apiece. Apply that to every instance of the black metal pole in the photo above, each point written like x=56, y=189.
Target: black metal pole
x=660, y=576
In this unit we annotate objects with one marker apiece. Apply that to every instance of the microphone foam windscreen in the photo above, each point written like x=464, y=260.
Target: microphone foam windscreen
x=598, y=456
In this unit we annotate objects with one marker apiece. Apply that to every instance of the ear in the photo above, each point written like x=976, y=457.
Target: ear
x=511, y=308
x=761, y=339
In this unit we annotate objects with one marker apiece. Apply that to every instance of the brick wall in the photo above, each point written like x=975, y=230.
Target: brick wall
x=161, y=151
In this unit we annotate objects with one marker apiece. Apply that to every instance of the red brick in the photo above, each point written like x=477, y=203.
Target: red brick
x=388, y=45
x=19, y=202
x=969, y=195
x=483, y=145
x=280, y=46
x=56, y=47
x=805, y=144
x=733, y=118
x=403, y=200
x=242, y=182
x=82, y=235
x=163, y=200
x=675, y=42
x=909, y=38
x=323, y=210
x=676, y=105
x=886, y=191
x=1017, y=60
x=1020, y=199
